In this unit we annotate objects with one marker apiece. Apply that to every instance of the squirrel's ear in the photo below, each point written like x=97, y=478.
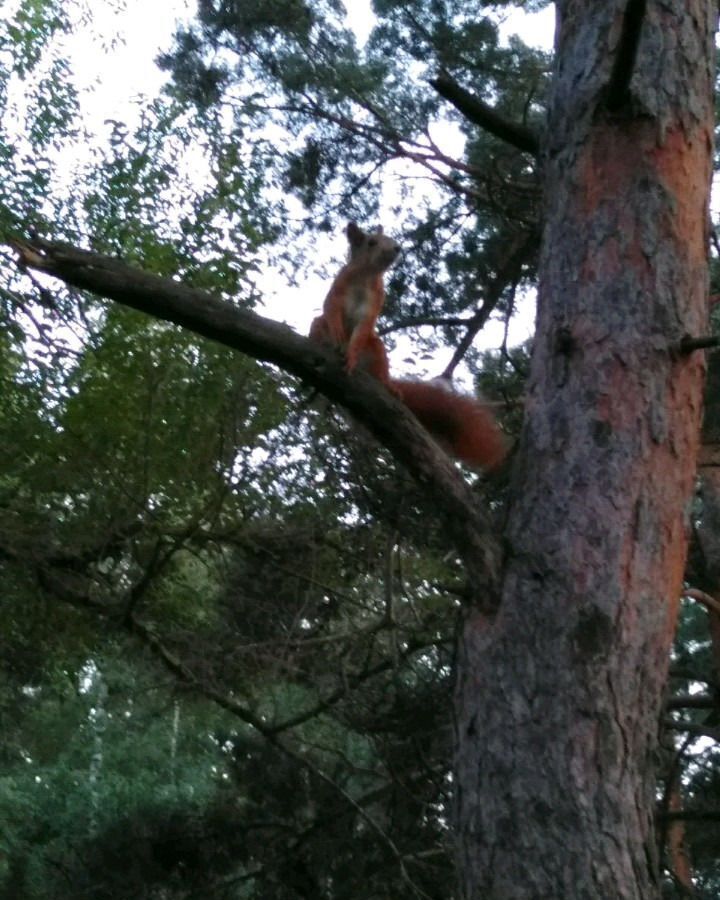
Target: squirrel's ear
x=379, y=229
x=354, y=233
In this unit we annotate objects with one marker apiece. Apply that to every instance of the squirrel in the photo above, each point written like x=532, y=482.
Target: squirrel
x=462, y=425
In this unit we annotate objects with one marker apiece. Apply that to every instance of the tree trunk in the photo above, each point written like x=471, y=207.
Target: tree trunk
x=558, y=695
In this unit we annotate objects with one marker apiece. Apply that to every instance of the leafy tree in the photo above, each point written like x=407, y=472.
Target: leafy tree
x=231, y=624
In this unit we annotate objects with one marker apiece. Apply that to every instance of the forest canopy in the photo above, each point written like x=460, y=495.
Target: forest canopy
x=229, y=611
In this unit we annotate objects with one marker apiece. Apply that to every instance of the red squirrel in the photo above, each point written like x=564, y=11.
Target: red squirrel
x=463, y=425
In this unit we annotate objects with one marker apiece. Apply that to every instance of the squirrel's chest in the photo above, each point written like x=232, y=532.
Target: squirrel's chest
x=361, y=304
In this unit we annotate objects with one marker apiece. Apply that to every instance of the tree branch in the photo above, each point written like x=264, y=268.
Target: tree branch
x=703, y=597
x=693, y=701
x=181, y=671
x=509, y=271
x=485, y=116
x=692, y=815
x=698, y=730
x=382, y=414
x=419, y=321
x=229, y=703
x=704, y=342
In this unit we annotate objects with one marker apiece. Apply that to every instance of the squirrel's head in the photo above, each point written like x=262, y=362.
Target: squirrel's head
x=371, y=249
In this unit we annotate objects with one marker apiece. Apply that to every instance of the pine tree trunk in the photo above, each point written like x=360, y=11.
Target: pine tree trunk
x=559, y=694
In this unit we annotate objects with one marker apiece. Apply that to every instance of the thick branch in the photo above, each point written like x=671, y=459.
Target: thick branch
x=693, y=701
x=693, y=815
x=698, y=730
x=263, y=339
x=704, y=342
x=485, y=116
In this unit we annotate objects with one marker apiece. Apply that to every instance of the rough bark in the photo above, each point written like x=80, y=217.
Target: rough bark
x=558, y=695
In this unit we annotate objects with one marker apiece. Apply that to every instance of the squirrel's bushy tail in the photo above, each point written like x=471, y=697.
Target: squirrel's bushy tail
x=463, y=425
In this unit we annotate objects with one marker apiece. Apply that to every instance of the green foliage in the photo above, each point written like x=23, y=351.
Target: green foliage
x=29, y=31
x=227, y=620
x=31, y=131
x=145, y=550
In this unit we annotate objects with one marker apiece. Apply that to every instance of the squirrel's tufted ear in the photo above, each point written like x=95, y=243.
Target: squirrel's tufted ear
x=355, y=234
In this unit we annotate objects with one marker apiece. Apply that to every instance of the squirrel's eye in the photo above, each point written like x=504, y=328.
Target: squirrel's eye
x=372, y=242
